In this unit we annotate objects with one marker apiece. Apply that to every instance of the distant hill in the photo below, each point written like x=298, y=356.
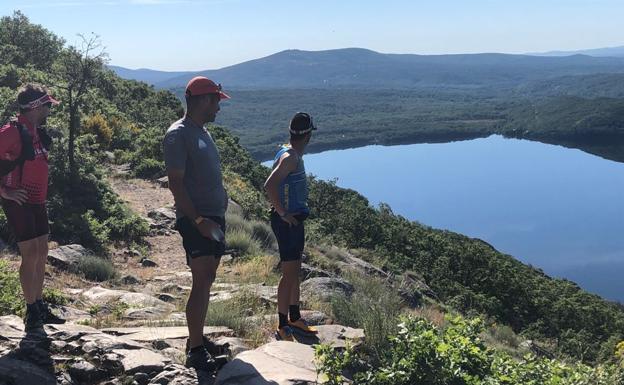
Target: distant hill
x=146, y=75
x=597, y=52
x=610, y=85
x=361, y=68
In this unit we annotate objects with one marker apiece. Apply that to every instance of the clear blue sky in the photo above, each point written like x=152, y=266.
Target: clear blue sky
x=197, y=35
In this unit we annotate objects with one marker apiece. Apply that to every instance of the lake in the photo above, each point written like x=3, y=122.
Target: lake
x=555, y=208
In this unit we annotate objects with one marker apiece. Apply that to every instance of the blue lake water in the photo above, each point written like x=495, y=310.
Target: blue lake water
x=558, y=209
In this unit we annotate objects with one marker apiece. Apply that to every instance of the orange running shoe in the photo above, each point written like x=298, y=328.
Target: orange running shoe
x=284, y=334
x=302, y=325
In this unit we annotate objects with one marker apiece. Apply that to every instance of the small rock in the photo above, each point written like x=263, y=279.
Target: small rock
x=141, y=360
x=175, y=288
x=129, y=280
x=166, y=297
x=163, y=182
x=58, y=346
x=146, y=313
x=176, y=375
x=141, y=378
x=146, y=262
x=84, y=372
x=160, y=344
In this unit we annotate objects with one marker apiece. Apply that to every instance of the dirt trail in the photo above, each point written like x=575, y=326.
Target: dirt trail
x=166, y=250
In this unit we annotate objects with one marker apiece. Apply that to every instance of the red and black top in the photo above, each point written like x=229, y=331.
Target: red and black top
x=33, y=175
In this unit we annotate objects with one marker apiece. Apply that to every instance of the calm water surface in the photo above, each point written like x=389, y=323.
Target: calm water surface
x=556, y=208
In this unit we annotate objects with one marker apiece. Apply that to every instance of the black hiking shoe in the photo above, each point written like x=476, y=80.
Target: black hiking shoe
x=201, y=360
x=211, y=347
x=47, y=316
x=33, y=319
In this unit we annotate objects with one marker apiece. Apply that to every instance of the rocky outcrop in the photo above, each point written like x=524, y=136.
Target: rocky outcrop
x=279, y=363
x=67, y=257
x=76, y=354
x=324, y=288
x=161, y=221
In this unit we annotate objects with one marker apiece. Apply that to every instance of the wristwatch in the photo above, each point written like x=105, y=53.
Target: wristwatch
x=199, y=220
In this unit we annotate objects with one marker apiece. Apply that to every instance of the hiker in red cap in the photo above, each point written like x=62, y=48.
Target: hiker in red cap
x=194, y=171
x=24, y=146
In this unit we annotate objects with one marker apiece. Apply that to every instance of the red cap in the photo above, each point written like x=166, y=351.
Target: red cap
x=200, y=85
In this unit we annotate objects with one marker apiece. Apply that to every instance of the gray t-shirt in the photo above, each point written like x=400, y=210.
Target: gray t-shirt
x=190, y=148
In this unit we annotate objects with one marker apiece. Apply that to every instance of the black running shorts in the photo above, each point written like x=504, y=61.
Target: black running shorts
x=195, y=244
x=290, y=239
x=27, y=221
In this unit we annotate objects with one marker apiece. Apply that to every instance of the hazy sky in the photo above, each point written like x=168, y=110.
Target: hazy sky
x=197, y=35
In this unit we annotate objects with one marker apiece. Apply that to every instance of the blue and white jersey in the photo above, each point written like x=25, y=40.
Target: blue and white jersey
x=293, y=191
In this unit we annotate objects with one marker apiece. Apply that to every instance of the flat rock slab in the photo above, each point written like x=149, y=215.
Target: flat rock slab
x=147, y=334
x=276, y=363
x=101, y=296
x=67, y=256
x=337, y=336
x=16, y=372
x=11, y=327
x=141, y=360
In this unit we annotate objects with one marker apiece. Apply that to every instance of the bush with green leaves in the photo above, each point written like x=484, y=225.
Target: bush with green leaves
x=421, y=354
x=85, y=209
x=374, y=306
x=11, y=301
x=95, y=268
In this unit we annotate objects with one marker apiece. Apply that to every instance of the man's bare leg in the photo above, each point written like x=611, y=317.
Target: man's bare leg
x=28, y=269
x=296, y=285
x=42, y=257
x=204, y=270
x=288, y=285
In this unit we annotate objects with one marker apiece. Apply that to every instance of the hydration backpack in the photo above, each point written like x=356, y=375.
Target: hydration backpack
x=27, y=153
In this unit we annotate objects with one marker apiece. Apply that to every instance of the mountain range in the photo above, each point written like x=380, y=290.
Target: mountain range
x=361, y=68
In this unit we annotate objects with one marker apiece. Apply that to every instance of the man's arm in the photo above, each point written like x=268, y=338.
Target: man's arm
x=207, y=227
x=286, y=164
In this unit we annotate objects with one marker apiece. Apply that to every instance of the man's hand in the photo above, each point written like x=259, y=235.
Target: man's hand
x=17, y=195
x=210, y=229
x=290, y=219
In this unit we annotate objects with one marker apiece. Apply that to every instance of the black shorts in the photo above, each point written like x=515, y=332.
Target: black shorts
x=290, y=239
x=27, y=221
x=195, y=244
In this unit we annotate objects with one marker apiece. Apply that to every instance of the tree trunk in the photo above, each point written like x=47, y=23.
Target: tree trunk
x=73, y=127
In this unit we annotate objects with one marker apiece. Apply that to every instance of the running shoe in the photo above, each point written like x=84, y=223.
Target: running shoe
x=284, y=334
x=302, y=325
x=201, y=360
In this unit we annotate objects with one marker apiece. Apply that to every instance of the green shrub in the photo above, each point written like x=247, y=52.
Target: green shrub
x=98, y=126
x=263, y=233
x=148, y=168
x=11, y=299
x=233, y=313
x=421, y=354
x=236, y=222
x=374, y=307
x=54, y=296
x=84, y=209
x=5, y=232
x=96, y=268
x=243, y=241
